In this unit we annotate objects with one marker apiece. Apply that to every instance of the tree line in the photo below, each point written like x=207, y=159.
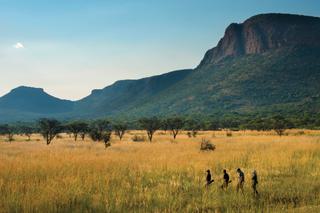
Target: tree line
x=101, y=130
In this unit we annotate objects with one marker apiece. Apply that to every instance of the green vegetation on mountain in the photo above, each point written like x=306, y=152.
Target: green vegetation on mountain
x=266, y=66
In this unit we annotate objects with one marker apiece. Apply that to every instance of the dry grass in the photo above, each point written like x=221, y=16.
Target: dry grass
x=162, y=176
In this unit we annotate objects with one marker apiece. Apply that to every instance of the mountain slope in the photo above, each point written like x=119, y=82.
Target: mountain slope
x=275, y=81
x=124, y=96
x=268, y=64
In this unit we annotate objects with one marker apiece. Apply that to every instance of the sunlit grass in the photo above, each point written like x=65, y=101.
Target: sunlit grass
x=162, y=176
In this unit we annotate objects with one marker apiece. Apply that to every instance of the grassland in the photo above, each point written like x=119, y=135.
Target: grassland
x=162, y=176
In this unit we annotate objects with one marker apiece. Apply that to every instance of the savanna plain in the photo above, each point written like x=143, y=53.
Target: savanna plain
x=165, y=175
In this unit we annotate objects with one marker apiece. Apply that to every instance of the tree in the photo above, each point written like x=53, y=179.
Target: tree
x=84, y=130
x=260, y=124
x=164, y=125
x=193, y=126
x=151, y=125
x=175, y=125
x=280, y=124
x=213, y=125
x=101, y=126
x=76, y=128
x=27, y=131
x=106, y=137
x=120, y=129
x=8, y=131
x=100, y=130
x=49, y=129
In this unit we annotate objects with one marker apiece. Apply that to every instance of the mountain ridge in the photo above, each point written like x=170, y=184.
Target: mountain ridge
x=267, y=64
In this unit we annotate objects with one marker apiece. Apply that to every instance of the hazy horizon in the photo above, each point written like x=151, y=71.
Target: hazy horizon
x=70, y=48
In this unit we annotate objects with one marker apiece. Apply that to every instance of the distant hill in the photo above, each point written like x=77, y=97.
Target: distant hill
x=269, y=64
x=25, y=103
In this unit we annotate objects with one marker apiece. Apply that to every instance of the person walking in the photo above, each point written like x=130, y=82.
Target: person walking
x=209, y=178
x=226, y=180
x=240, y=180
x=254, y=179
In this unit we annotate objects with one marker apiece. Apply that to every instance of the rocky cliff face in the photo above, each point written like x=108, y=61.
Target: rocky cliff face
x=264, y=32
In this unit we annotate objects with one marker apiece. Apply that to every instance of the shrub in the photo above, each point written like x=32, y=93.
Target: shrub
x=189, y=134
x=301, y=132
x=206, y=145
x=138, y=138
x=192, y=134
x=229, y=133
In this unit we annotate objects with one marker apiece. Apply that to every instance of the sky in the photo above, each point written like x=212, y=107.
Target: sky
x=70, y=47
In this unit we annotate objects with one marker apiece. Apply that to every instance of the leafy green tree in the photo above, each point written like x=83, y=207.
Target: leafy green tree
x=164, y=125
x=84, y=130
x=260, y=124
x=100, y=130
x=101, y=126
x=120, y=129
x=175, y=124
x=280, y=124
x=49, y=129
x=213, y=125
x=27, y=131
x=151, y=125
x=78, y=128
x=193, y=126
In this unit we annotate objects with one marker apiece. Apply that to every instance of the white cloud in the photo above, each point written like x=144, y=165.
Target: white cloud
x=18, y=46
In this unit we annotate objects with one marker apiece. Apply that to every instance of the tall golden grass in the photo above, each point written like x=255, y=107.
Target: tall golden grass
x=162, y=176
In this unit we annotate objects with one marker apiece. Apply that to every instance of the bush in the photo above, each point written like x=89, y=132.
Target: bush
x=138, y=138
x=206, y=145
x=301, y=132
x=192, y=134
x=229, y=133
x=189, y=134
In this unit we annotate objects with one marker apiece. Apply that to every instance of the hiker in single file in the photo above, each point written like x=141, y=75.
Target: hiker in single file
x=209, y=178
x=240, y=180
x=254, y=179
x=226, y=180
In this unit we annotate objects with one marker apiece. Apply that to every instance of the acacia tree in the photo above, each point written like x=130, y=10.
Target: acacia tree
x=280, y=124
x=49, y=129
x=164, y=125
x=120, y=129
x=84, y=130
x=78, y=128
x=27, y=131
x=8, y=131
x=100, y=130
x=193, y=126
x=151, y=125
x=175, y=125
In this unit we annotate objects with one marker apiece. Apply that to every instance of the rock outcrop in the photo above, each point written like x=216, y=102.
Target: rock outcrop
x=265, y=32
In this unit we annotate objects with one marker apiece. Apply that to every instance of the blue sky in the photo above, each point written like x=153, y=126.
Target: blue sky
x=69, y=47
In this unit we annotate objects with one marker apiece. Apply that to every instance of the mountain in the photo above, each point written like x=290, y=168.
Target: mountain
x=265, y=32
x=24, y=103
x=268, y=64
x=127, y=95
